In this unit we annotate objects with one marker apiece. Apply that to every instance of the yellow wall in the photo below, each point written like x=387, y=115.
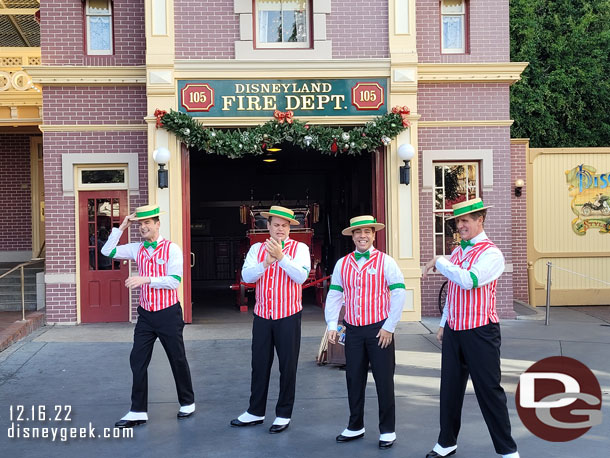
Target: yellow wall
x=550, y=234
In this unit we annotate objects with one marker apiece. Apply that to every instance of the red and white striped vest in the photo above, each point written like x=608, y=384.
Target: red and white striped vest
x=277, y=295
x=471, y=308
x=366, y=293
x=155, y=265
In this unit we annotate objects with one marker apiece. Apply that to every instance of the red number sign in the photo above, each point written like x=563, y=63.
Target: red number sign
x=367, y=96
x=197, y=97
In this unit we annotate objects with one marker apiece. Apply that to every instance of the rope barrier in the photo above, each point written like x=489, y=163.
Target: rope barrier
x=581, y=275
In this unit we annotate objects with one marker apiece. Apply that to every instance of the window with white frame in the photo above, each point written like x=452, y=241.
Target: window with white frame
x=103, y=178
x=98, y=22
x=453, y=24
x=454, y=182
x=283, y=23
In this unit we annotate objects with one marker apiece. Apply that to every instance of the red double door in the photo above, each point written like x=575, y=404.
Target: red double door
x=104, y=297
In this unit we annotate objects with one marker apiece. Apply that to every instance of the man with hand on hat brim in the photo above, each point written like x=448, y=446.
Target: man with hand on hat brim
x=279, y=267
x=470, y=333
x=160, y=265
x=373, y=289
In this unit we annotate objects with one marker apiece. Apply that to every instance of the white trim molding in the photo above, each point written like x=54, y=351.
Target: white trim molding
x=486, y=156
x=68, y=161
x=60, y=279
x=244, y=47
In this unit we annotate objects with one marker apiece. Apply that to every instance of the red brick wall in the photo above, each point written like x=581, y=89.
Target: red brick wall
x=60, y=303
x=464, y=101
x=60, y=217
x=454, y=138
x=519, y=222
x=94, y=104
x=488, y=32
x=358, y=29
x=15, y=193
x=62, y=34
x=205, y=30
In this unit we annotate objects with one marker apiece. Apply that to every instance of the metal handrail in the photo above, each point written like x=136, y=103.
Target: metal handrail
x=20, y=267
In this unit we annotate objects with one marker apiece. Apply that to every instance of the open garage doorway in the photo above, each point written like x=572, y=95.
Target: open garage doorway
x=338, y=187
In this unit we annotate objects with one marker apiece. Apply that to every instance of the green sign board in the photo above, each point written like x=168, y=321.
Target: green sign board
x=304, y=97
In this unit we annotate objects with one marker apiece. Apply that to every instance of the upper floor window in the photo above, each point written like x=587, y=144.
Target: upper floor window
x=283, y=24
x=453, y=183
x=453, y=23
x=98, y=22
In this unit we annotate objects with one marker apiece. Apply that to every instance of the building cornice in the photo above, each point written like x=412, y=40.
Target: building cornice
x=91, y=127
x=347, y=68
x=100, y=75
x=468, y=123
x=501, y=72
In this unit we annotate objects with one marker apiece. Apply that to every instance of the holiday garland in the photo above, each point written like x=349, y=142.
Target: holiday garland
x=283, y=129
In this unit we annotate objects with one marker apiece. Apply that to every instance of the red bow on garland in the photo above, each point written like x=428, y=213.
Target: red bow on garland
x=403, y=112
x=159, y=114
x=281, y=116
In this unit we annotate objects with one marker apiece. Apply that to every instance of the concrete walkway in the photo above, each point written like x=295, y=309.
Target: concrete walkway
x=86, y=368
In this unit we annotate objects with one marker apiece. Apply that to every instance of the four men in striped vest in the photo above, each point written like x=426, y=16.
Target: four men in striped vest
x=278, y=267
x=159, y=264
x=470, y=333
x=372, y=287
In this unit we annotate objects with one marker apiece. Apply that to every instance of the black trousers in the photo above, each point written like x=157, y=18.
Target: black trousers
x=361, y=348
x=285, y=336
x=167, y=325
x=475, y=352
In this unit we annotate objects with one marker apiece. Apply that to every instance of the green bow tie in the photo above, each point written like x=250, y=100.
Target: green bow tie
x=465, y=244
x=359, y=255
x=151, y=244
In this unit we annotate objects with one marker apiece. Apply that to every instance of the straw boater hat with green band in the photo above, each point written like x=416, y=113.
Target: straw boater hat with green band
x=281, y=212
x=147, y=211
x=359, y=222
x=469, y=206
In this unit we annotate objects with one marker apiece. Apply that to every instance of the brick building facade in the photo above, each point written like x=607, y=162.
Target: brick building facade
x=98, y=113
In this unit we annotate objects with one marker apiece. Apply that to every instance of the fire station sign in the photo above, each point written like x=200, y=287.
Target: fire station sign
x=309, y=97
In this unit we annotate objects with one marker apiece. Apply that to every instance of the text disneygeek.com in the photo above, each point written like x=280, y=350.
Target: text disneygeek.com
x=31, y=422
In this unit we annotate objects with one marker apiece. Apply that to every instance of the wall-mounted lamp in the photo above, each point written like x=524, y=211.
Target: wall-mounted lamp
x=519, y=183
x=161, y=156
x=406, y=152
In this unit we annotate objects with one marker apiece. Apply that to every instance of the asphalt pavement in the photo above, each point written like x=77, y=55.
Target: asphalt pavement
x=64, y=380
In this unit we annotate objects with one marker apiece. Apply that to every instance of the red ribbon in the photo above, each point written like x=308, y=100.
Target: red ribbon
x=159, y=114
x=281, y=116
x=403, y=112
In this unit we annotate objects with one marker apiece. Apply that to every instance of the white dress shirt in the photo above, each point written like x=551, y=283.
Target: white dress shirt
x=297, y=269
x=130, y=251
x=488, y=268
x=393, y=275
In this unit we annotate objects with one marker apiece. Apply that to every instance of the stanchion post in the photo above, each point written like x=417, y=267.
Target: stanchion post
x=22, y=296
x=548, y=292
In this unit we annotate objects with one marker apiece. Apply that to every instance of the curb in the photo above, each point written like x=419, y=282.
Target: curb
x=20, y=329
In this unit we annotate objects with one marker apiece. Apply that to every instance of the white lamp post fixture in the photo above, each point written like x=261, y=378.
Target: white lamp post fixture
x=519, y=183
x=161, y=156
x=406, y=152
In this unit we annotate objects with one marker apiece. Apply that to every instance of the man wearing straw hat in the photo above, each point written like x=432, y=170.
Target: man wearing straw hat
x=470, y=333
x=373, y=289
x=279, y=267
x=159, y=264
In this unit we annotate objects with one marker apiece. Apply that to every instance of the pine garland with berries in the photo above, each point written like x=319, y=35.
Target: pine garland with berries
x=285, y=129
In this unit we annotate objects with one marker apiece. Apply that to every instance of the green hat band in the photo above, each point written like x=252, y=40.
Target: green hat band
x=153, y=212
x=468, y=208
x=281, y=213
x=360, y=223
